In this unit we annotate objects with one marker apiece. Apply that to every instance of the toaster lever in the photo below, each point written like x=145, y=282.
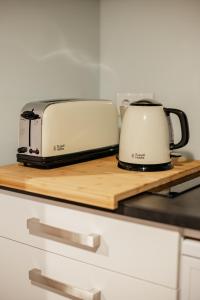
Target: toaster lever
x=22, y=150
x=30, y=115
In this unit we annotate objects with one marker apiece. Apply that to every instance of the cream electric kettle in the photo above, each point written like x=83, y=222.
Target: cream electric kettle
x=146, y=136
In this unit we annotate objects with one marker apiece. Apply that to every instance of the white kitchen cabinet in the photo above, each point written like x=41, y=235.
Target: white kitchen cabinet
x=123, y=259
x=93, y=283
x=190, y=270
x=138, y=250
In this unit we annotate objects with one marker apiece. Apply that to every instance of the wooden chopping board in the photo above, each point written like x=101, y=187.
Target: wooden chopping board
x=98, y=182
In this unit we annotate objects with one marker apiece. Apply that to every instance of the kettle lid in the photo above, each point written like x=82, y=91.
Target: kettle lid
x=146, y=102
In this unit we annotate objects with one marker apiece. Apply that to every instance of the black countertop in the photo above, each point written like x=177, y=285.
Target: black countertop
x=182, y=210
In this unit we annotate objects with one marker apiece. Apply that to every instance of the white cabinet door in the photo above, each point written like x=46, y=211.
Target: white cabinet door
x=17, y=260
x=190, y=278
x=190, y=270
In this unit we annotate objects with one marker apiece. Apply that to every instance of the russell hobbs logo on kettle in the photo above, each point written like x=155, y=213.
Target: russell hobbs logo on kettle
x=138, y=155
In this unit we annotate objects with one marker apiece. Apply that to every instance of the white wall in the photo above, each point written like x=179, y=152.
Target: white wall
x=154, y=46
x=48, y=49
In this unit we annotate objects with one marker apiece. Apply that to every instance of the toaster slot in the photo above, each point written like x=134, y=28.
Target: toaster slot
x=30, y=115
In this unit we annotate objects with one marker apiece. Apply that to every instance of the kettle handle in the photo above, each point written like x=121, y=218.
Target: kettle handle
x=184, y=127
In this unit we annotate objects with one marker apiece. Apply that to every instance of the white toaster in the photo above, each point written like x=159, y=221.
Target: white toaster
x=61, y=132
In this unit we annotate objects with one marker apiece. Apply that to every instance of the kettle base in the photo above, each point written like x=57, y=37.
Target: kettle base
x=144, y=168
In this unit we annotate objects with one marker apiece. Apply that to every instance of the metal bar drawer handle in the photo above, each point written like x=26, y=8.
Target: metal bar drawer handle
x=90, y=241
x=66, y=290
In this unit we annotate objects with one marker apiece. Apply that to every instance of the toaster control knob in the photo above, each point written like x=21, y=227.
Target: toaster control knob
x=22, y=150
x=30, y=115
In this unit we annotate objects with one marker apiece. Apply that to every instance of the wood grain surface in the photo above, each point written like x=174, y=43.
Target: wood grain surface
x=98, y=182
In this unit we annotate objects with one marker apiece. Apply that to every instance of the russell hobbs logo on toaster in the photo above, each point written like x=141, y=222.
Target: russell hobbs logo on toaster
x=138, y=155
x=59, y=147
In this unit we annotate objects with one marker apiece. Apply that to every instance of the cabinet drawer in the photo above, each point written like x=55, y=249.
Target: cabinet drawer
x=24, y=270
x=137, y=250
